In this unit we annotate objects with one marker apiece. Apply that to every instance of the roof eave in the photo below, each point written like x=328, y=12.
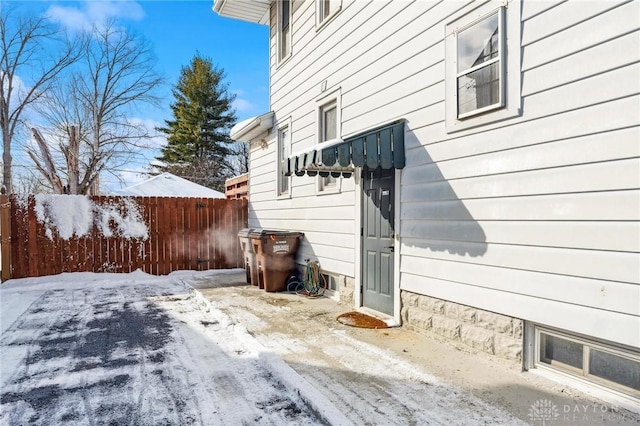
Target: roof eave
x=251, y=129
x=256, y=11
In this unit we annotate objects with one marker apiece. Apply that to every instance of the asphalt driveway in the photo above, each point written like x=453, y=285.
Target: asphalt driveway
x=130, y=350
x=209, y=349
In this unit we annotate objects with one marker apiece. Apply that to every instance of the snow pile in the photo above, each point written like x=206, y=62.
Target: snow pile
x=128, y=225
x=76, y=215
x=68, y=214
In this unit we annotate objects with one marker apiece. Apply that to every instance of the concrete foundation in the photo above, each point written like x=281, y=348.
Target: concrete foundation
x=346, y=288
x=486, y=331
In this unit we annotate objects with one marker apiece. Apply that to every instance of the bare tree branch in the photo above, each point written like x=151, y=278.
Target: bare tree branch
x=46, y=166
x=96, y=103
x=24, y=43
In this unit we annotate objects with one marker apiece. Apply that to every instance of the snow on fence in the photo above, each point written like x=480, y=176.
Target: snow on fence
x=51, y=234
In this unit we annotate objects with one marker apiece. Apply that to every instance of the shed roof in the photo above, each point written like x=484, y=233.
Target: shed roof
x=168, y=185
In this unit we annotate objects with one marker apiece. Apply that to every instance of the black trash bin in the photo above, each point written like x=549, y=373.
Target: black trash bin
x=275, y=256
x=249, y=254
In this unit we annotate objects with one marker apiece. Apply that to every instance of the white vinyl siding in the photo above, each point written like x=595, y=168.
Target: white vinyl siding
x=536, y=215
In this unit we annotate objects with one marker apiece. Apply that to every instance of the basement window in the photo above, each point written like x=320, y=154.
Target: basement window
x=611, y=366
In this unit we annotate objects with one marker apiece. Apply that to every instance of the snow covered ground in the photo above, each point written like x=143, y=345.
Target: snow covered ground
x=130, y=349
x=136, y=349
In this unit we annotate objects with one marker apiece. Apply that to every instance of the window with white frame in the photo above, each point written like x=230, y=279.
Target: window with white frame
x=284, y=29
x=482, y=58
x=328, y=130
x=614, y=367
x=480, y=68
x=284, y=150
x=326, y=9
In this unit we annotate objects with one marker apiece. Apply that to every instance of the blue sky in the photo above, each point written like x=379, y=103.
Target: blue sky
x=177, y=31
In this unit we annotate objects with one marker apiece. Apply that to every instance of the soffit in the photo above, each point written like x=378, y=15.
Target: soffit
x=256, y=11
x=251, y=128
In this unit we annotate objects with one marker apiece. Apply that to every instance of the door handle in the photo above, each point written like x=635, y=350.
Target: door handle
x=391, y=248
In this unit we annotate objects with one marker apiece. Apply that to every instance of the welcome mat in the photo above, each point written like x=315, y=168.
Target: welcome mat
x=358, y=319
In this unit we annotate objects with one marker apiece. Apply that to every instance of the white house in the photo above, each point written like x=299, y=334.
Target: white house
x=466, y=167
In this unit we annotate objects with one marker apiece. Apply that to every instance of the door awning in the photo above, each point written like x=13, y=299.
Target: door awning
x=382, y=147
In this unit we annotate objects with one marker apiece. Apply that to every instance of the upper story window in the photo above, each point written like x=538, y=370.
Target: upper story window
x=284, y=150
x=480, y=66
x=326, y=9
x=328, y=118
x=482, y=60
x=284, y=29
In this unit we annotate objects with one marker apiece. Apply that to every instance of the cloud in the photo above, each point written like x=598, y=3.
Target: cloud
x=19, y=89
x=158, y=139
x=242, y=105
x=95, y=13
x=131, y=177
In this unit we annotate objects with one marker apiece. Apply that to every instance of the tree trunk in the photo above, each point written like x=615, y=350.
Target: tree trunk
x=6, y=164
x=73, y=153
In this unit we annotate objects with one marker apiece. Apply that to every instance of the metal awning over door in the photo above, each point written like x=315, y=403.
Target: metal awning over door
x=382, y=147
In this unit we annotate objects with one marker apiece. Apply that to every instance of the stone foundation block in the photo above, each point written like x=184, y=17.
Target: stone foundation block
x=496, y=322
x=404, y=315
x=461, y=312
x=481, y=330
x=409, y=299
x=507, y=347
x=446, y=327
x=477, y=338
x=346, y=287
x=419, y=319
x=432, y=305
x=518, y=328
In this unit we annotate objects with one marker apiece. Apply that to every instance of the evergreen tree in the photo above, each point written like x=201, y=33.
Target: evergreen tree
x=198, y=144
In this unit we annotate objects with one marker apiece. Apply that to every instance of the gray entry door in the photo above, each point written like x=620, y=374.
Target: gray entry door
x=377, y=239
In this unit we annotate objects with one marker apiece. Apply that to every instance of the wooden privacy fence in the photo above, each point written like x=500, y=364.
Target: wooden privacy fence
x=51, y=234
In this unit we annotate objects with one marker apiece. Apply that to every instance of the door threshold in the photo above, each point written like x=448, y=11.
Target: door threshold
x=388, y=319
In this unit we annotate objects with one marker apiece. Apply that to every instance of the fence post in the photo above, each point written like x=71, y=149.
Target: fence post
x=5, y=232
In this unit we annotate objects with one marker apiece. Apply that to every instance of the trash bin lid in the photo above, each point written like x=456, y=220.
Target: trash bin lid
x=256, y=232
x=244, y=232
x=274, y=232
